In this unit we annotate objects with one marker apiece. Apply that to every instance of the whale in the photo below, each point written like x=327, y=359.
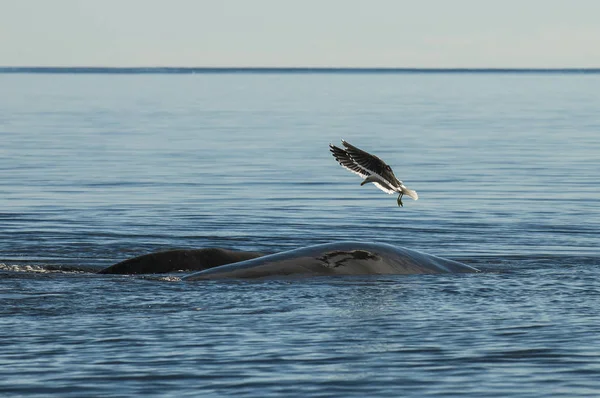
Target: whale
x=330, y=259
x=179, y=260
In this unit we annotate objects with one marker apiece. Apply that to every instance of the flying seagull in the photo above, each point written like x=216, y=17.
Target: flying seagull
x=372, y=169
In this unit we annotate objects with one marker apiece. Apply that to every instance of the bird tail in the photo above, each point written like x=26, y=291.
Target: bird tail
x=410, y=192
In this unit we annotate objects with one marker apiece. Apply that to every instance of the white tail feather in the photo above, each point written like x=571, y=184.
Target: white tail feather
x=410, y=192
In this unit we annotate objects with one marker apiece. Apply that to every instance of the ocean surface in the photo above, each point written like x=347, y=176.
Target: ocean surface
x=96, y=168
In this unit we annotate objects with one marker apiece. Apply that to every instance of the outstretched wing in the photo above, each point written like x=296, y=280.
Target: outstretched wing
x=365, y=160
x=372, y=164
x=346, y=161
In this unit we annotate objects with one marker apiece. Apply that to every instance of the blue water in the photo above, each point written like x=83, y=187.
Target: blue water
x=98, y=168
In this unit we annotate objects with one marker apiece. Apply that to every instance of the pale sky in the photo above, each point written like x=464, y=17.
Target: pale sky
x=279, y=33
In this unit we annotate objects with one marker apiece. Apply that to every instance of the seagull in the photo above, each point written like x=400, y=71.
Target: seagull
x=372, y=169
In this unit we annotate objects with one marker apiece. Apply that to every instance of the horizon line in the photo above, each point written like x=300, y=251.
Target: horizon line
x=283, y=69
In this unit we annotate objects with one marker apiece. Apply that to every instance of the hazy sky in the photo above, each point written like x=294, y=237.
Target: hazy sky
x=390, y=33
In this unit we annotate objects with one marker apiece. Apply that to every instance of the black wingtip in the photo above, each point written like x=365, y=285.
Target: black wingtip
x=337, y=152
x=347, y=144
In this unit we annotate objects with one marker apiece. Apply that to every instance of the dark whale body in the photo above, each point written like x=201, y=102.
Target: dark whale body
x=344, y=258
x=179, y=260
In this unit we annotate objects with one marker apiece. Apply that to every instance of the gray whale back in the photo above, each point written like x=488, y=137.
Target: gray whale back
x=344, y=258
x=179, y=260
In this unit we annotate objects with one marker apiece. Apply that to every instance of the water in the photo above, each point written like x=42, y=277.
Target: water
x=98, y=168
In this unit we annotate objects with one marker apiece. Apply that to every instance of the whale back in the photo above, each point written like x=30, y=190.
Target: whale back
x=344, y=258
x=179, y=260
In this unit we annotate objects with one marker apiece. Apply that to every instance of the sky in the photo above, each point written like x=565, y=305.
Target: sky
x=301, y=33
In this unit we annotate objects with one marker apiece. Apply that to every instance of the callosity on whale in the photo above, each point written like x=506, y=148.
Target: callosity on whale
x=344, y=258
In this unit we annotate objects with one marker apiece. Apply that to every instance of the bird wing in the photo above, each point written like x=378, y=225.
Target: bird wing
x=372, y=164
x=347, y=162
x=365, y=159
